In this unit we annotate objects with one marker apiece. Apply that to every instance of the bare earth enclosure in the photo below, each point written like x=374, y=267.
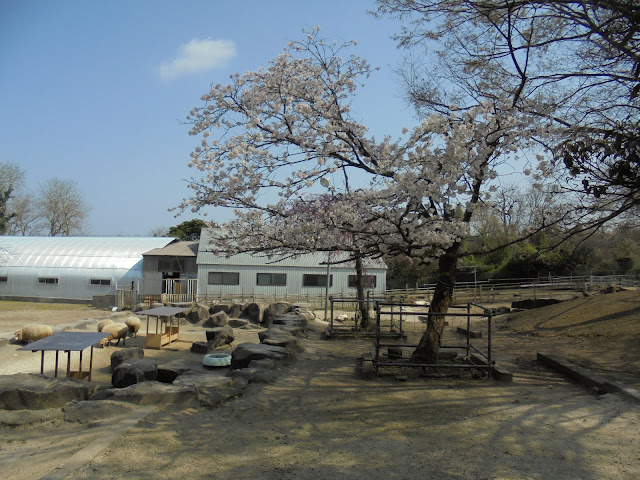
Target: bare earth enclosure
x=317, y=420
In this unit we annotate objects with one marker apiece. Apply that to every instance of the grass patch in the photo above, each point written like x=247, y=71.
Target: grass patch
x=10, y=306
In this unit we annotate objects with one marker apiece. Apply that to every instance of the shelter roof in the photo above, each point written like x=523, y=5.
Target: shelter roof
x=176, y=249
x=207, y=256
x=75, y=341
x=76, y=252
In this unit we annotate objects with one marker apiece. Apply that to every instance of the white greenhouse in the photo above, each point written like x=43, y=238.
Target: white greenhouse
x=70, y=268
x=259, y=276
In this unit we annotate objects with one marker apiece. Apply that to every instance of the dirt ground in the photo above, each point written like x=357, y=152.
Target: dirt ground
x=317, y=420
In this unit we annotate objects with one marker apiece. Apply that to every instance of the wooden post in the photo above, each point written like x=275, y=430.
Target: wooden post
x=42, y=363
x=56, y=374
x=91, y=363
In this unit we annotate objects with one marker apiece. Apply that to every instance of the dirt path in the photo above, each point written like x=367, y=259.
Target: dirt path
x=319, y=421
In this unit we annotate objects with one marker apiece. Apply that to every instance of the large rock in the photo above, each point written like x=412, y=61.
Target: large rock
x=219, y=307
x=212, y=389
x=134, y=371
x=151, y=393
x=235, y=310
x=125, y=355
x=36, y=392
x=291, y=320
x=295, y=330
x=197, y=314
x=304, y=313
x=218, y=319
x=247, y=352
x=274, y=310
x=140, y=307
x=168, y=372
x=217, y=337
x=253, y=312
x=200, y=347
x=279, y=337
x=238, y=323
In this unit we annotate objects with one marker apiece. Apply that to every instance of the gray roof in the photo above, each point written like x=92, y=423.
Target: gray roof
x=176, y=249
x=76, y=252
x=315, y=259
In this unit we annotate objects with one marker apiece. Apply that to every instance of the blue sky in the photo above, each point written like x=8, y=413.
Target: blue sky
x=95, y=90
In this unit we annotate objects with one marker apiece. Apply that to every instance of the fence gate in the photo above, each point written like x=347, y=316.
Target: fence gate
x=175, y=290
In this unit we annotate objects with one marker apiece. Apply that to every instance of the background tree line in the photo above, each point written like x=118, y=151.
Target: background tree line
x=613, y=249
x=55, y=208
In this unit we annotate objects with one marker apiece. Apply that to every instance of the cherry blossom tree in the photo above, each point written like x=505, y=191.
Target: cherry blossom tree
x=268, y=137
x=573, y=62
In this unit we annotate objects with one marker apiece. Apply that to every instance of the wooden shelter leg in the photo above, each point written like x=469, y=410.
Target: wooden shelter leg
x=68, y=363
x=42, y=363
x=91, y=363
x=80, y=367
x=56, y=374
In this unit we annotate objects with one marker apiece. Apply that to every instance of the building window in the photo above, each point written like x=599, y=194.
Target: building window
x=369, y=281
x=171, y=264
x=224, y=278
x=4, y=279
x=100, y=281
x=309, y=280
x=275, y=279
x=48, y=280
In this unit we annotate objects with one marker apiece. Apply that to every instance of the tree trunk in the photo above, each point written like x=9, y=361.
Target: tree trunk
x=362, y=301
x=427, y=349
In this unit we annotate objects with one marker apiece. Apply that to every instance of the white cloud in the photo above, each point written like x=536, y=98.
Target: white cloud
x=198, y=56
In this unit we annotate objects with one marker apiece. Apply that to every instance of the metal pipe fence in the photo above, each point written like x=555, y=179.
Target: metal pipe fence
x=475, y=338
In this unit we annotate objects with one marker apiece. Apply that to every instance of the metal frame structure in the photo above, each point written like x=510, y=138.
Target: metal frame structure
x=395, y=329
x=467, y=347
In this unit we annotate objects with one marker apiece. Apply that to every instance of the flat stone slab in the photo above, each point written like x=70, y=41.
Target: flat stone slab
x=245, y=353
x=255, y=374
x=211, y=390
x=33, y=391
x=88, y=411
x=281, y=338
x=150, y=393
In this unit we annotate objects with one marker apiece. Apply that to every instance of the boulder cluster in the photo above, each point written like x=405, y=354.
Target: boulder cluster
x=139, y=380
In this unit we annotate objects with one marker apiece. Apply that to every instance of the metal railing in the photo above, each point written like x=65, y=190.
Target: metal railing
x=503, y=290
x=399, y=309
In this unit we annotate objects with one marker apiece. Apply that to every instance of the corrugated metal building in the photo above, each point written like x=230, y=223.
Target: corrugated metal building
x=279, y=277
x=70, y=268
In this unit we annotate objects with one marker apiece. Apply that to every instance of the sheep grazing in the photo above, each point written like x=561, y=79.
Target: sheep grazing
x=104, y=323
x=116, y=331
x=32, y=332
x=133, y=323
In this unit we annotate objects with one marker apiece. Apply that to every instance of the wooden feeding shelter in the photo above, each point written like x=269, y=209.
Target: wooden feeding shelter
x=67, y=342
x=165, y=332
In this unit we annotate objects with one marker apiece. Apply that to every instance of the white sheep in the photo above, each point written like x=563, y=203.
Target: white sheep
x=104, y=323
x=116, y=331
x=32, y=332
x=133, y=323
